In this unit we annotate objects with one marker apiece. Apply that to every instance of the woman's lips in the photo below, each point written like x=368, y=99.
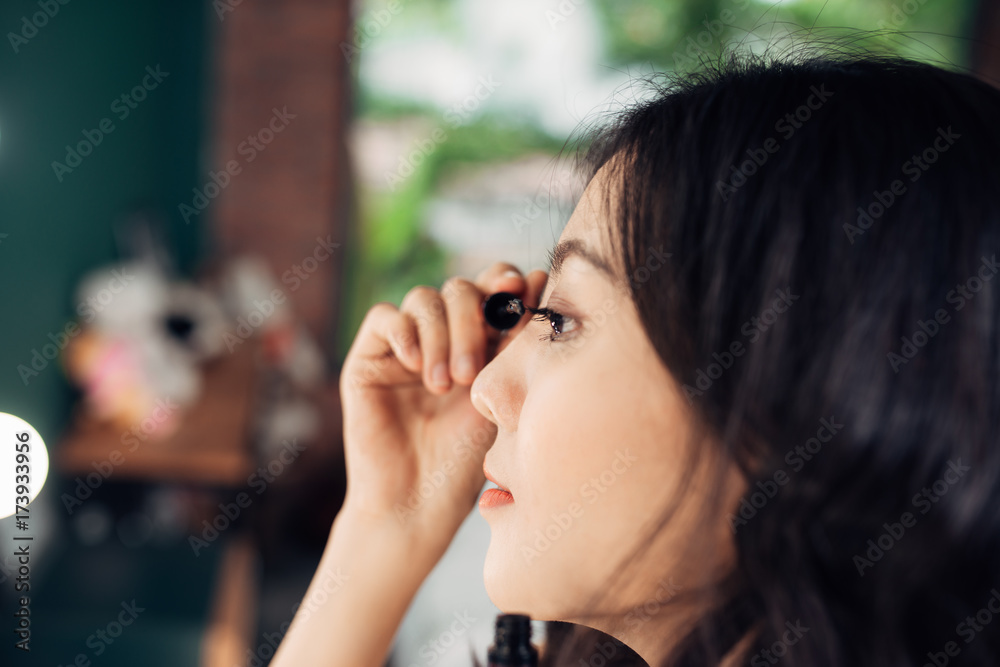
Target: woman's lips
x=490, y=477
x=495, y=498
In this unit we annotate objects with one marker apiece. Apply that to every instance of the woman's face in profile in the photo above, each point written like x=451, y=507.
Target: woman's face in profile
x=592, y=440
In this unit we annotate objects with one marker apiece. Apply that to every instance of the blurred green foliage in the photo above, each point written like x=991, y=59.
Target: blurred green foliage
x=394, y=253
x=638, y=36
x=671, y=35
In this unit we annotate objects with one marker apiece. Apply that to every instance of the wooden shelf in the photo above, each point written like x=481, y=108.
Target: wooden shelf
x=211, y=446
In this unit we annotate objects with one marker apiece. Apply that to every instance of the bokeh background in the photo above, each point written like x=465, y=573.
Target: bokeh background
x=263, y=172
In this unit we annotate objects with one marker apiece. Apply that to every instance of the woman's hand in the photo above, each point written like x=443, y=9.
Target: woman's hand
x=413, y=442
x=414, y=452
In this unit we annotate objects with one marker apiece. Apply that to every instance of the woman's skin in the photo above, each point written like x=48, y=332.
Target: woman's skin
x=589, y=433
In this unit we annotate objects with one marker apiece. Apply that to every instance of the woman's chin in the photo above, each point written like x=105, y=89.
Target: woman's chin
x=516, y=587
x=496, y=579
x=506, y=585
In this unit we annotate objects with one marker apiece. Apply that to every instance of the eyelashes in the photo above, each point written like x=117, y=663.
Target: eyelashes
x=555, y=319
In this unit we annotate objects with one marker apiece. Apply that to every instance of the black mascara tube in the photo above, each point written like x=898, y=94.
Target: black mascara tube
x=503, y=310
x=512, y=645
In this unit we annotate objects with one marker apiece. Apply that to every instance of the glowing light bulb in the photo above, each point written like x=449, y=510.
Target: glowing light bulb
x=24, y=464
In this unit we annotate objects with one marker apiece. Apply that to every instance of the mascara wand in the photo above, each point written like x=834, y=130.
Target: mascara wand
x=503, y=310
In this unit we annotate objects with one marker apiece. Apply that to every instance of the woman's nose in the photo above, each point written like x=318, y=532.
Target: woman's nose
x=497, y=393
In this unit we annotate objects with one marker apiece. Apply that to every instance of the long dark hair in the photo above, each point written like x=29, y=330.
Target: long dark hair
x=838, y=216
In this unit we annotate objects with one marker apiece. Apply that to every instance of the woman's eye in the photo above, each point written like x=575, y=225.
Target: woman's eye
x=556, y=320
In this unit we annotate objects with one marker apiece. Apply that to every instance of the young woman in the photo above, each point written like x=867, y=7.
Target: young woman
x=757, y=416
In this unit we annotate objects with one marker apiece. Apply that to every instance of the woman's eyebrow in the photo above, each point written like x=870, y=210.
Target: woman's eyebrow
x=564, y=249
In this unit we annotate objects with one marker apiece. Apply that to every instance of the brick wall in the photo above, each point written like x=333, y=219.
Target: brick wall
x=986, y=42
x=283, y=55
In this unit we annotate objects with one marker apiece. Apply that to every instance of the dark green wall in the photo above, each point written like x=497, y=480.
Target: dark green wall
x=58, y=84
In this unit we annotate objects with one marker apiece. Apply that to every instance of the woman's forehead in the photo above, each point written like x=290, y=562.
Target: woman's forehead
x=592, y=221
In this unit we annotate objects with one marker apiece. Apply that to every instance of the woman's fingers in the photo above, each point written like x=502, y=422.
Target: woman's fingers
x=442, y=335
x=450, y=326
x=405, y=342
x=385, y=329
x=383, y=333
x=499, y=277
x=467, y=336
x=427, y=309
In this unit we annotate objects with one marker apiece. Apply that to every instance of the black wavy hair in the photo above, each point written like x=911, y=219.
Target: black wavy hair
x=831, y=309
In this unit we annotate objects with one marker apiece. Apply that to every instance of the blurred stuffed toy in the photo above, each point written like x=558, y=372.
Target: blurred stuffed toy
x=145, y=332
x=142, y=339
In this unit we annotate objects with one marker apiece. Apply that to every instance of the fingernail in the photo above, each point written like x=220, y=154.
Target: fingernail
x=439, y=375
x=464, y=367
x=510, y=273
